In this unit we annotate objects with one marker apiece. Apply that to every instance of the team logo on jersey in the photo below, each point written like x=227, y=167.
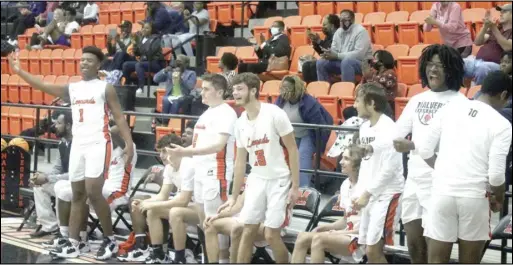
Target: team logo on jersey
x=210, y=172
x=303, y=197
x=426, y=111
x=84, y=101
x=507, y=230
x=367, y=141
x=263, y=140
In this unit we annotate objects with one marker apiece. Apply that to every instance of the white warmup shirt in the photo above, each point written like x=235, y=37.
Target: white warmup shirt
x=474, y=141
x=120, y=173
x=183, y=179
x=262, y=139
x=382, y=172
x=415, y=118
x=211, y=124
x=347, y=195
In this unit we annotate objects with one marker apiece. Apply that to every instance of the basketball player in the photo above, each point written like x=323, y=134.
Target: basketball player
x=441, y=68
x=473, y=140
x=114, y=191
x=212, y=151
x=340, y=237
x=265, y=132
x=381, y=173
x=179, y=172
x=91, y=100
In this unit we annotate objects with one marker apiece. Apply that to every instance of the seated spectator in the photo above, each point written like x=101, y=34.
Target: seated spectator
x=278, y=45
x=46, y=17
x=495, y=39
x=179, y=83
x=44, y=182
x=158, y=17
x=301, y=107
x=447, y=16
x=78, y=6
x=381, y=70
x=149, y=49
x=117, y=46
x=90, y=13
x=228, y=65
x=175, y=11
x=350, y=47
x=330, y=25
x=199, y=26
x=58, y=32
x=505, y=67
x=26, y=19
x=37, y=8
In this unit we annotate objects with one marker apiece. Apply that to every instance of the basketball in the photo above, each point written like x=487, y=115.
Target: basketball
x=20, y=142
x=4, y=144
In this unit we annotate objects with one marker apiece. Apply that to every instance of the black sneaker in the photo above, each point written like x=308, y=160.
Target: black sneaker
x=66, y=251
x=107, y=249
x=58, y=242
x=153, y=259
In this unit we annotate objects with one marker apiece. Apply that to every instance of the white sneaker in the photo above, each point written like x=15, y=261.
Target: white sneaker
x=67, y=251
x=189, y=257
x=57, y=242
x=107, y=249
x=84, y=247
x=139, y=91
x=135, y=255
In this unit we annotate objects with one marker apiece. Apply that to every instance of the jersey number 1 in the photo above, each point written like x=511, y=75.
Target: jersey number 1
x=81, y=111
x=260, y=158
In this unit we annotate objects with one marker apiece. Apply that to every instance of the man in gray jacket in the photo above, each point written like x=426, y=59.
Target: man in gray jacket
x=44, y=182
x=350, y=47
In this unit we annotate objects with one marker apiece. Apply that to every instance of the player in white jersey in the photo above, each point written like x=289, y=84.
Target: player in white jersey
x=212, y=151
x=114, y=191
x=441, y=68
x=381, y=173
x=341, y=237
x=265, y=133
x=91, y=100
x=473, y=140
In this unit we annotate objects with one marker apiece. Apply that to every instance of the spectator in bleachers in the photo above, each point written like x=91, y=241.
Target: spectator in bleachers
x=58, y=32
x=447, y=16
x=158, y=17
x=495, y=39
x=26, y=19
x=228, y=65
x=302, y=107
x=37, y=8
x=46, y=17
x=505, y=67
x=175, y=11
x=330, y=25
x=44, y=182
x=91, y=11
x=149, y=49
x=200, y=26
x=179, y=80
x=117, y=46
x=381, y=69
x=78, y=6
x=350, y=47
x=278, y=45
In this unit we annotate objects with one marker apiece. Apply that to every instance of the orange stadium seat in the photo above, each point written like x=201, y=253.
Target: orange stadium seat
x=257, y=30
x=47, y=98
x=409, y=32
x=34, y=62
x=318, y=88
x=37, y=95
x=15, y=120
x=77, y=57
x=298, y=52
x=387, y=7
x=408, y=6
x=291, y=21
x=139, y=11
x=476, y=18
x=4, y=88
x=407, y=66
x=5, y=65
x=432, y=37
x=325, y=8
x=213, y=61
x=213, y=25
x=249, y=9
x=23, y=57
x=365, y=7
x=415, y=89
x=384, y=32
x=13, y=85
x=159, y=95
x=358, y=18
x=224, y=13
x=306, y=8
x=23, y=40
x=100, y=37
x=212, y=10
x=400, y=102
x=398, y=50
x=371, y=19
x=57, y=59
x=485, y=5
x=103, y=14
x=114, y=13
x=298, y=35
x=25, y=92
x=127, y=13
x=27, y=118
x=75, y=78
x=273, y=75
x=271, y=89
x=45, y=59
x=426, y=5
x=473, y=91
x=69, y=61
x=329, y=163
x=341, y=95
x=377, y=47
x=402, y=89
x=246, y=54
x=87, y=36
x=463, y=5
x=339, y=6
x=5, y=120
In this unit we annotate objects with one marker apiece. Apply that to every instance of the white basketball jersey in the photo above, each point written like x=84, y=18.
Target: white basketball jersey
x=90, y=111
x=120, y=173
x=261, y=137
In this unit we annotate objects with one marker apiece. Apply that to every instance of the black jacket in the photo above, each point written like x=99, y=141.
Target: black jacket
x=279, y=47
x=326, y=44
x=151, y=50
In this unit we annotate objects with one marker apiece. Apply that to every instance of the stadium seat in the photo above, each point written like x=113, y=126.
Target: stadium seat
x=279, y=74
x=402, y=89
x=298, y=52
x=100, y=36
x=387, y=7
x=409, y=32
x=37, y=95
x=341, y=96
x=246, y=54
x=415, y=89
x=114, y=13
x=328, y=163
x=24, y=40
x=257, y=30
x=57, y=60
x=25, y=92
x=213, y=25
x=250, y=8
x=398, y=50
x=34, y=62
x=4, y=88
x=15, y=120
x=103, y=13
x=212, y=10
x=339, y=6
x=213, y=61
x=127, y=13
x=23, y=57
x=370, y=19
x=139, y=11
x=69, y=62
x=87, y=36
x=159, y=95
x=47, y=98
x=75, y=78
x=5, y=65
x=5, y=120
x=325, y=8
x=45, y=60
x=485, y=5
x=365, y=7
x=28, y=118
x=318, y=88
x=474, y=16
x=358, y=18
x=306, y=8
x=426, y=5
x=291, y=21
x=270, y=91
x=473, y=91
x=14, y=88
x=77, y=57
x=224, y=13
x=377, y=47
x=407, y=66
x=400, y=102
x=384, y=32
x=298, y=35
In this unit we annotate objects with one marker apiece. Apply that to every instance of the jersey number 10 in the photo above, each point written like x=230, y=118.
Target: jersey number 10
x=472, y=113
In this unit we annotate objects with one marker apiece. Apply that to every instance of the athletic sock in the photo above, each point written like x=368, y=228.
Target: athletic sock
x=158, y=251
x=74, y=242
x=180, y=255
x=112, y=239
x=83, y=236
x=140, y=241
x=64, y=231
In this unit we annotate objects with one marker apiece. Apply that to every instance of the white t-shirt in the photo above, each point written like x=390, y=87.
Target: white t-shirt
x=474, y=141
x=347, y=194
x=415, y=118
x=213, y=122
x=70, y=27
x=119, y=173
x=183, y=179
x=90, y=111
x=382, y=172
x=261, y=137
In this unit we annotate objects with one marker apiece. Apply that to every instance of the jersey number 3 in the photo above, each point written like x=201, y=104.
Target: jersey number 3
x=81, y=111
x=260, y=158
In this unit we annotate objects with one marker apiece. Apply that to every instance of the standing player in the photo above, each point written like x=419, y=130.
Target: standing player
x=441, y=68
x=473, y=140
x=91, y=100
x=265, y=132
x=381, y=173
x=212, y=151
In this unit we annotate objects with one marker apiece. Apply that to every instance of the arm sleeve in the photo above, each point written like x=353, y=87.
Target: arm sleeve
x=161, y=76
x=426, y=146
x=93, y=13
x=497, y=157
x=432, y=13
x=317, y=47
x=404, y=124
x=392, y=161
x=226, y=122
x=187, y=175
x=454, y=19
x=190, y=82
x=57, y=171
x=362, y=44
x=281, y=49
x=238, y=140
x=282, y=122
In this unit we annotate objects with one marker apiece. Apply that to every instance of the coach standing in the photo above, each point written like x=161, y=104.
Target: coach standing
x=44, y=182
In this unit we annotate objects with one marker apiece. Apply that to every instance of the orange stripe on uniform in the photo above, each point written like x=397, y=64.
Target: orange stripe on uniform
x=388, y=231
x=108, y=145
x=223, y=187
x=285, y=153
x=124, y=185
x=221, y=164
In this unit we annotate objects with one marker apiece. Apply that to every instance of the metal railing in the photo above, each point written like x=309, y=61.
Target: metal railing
x=316, y=172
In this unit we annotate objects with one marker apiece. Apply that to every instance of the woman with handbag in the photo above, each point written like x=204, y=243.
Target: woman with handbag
x=273, y=54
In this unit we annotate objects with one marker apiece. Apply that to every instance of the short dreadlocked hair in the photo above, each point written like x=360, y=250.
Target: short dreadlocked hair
x=452, y=61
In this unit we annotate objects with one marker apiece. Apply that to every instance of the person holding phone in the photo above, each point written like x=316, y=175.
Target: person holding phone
x=117, y=45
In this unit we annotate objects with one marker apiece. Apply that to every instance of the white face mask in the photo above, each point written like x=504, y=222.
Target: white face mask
x=275, y=30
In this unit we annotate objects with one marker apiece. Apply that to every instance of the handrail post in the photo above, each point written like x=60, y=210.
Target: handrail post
x=317, y=159
x=36, y=142
x=243, y=5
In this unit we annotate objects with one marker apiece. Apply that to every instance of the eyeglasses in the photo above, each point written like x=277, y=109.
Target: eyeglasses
x=430, y=65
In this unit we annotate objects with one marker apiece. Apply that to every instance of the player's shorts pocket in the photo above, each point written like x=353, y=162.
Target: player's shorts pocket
x=211, y=189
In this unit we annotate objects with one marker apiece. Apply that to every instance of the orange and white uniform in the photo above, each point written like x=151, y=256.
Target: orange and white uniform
x=269, y=182
x=213, y=171
x=91, y=149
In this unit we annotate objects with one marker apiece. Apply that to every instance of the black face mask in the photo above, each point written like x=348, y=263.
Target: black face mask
x=348, y=25
x=326, y=31
x=377, y=65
